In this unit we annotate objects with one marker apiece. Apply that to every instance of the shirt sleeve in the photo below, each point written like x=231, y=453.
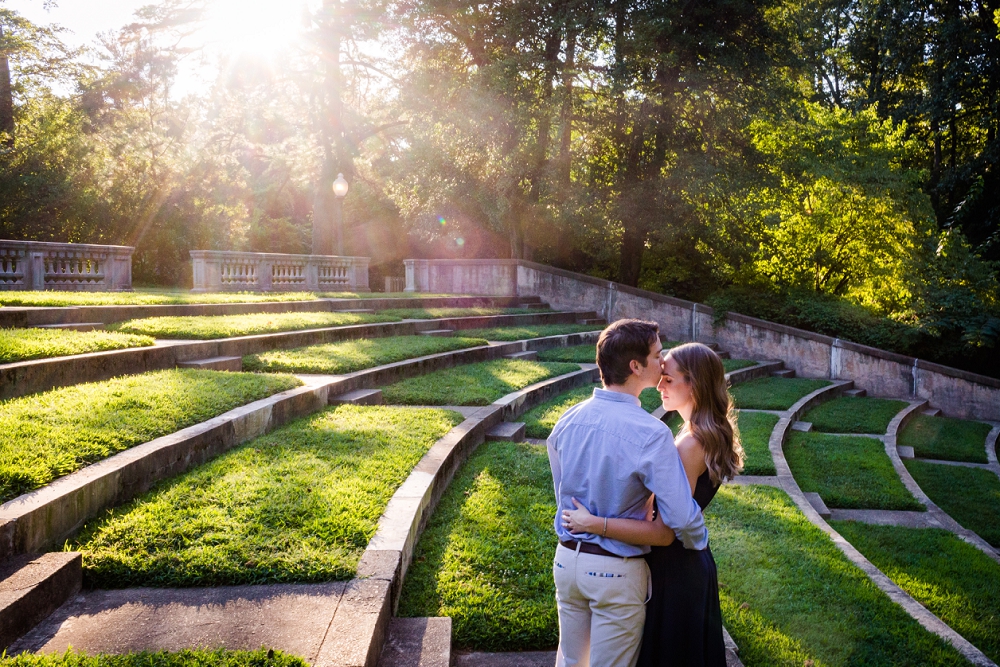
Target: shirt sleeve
x=663, y=473
x=556, y=467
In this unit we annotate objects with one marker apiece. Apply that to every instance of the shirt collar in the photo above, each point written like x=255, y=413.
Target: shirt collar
x=605, y=395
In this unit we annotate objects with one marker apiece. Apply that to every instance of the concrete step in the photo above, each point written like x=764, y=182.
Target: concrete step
x=712, y=346
x=417, y=642
x=804, y=427
x=530, y=355
x=33, y=587
x=818, y=504
x=359, y=397
x=444, y=333
x=592, y=320
x=79, y=326
x=905, y=451
x=360, y=311
x=234, y=364
x=785, y=373
x=528, y=300
x=507, y=431
x=535, y=306
x=857, y=393
x=931, y=412
x=724, y=355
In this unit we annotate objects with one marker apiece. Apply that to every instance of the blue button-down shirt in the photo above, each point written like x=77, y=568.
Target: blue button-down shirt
x=609, y=453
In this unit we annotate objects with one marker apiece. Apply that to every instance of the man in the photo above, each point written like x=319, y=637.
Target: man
x=610, y=454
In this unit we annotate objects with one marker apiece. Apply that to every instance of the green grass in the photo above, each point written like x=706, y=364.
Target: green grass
x=531, y=331
x=791, y=598
x=144, y=298
x=297, y=505
x=954, y=580
x=755, y=431
x=773, y=393
x=540, y=420
x=25, y=344
x=485, y=558
x=48, y=435
x=474, y=384
x=207, y=327
x=946, y=439
x=970, y=496
x=848, y=472
x=437, y=313
x=187, y=658
x=730, y=365
x=580, y=354
x=353, y=355
x=854, y=414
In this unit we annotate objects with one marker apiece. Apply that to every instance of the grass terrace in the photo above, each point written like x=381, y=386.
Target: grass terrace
x=755, y=431
x=186, y=658
x=854, y=414
x=587, y=354
x=542, y=418
x=207, y=327
x=297, y=505
x=970, y=496
x=438, y=313
x=773, y=393
x=26, y=344
x=530, y=331
x=473, y=384
x=353, y=355
x=48, y=435
x=956, y=581
x=159, y=297
x=848, y=472
x=946, y=439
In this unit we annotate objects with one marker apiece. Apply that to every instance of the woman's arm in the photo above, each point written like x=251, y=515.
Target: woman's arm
x=630, y=531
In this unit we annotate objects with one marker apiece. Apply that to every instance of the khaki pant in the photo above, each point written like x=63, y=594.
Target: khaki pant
x=602, y=607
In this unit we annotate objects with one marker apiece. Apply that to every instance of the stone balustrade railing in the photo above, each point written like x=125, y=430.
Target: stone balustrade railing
x=226, y=271
x=39, y=265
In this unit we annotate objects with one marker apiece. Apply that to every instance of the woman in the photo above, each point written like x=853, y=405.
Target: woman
x=683, y=618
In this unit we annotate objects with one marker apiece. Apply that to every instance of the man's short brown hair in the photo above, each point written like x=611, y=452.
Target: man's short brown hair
x=619, y=344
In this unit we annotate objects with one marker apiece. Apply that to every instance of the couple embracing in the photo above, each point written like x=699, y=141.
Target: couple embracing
x=635, y=579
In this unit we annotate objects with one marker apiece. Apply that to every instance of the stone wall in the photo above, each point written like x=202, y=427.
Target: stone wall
x=78, y=267
x=957, y=393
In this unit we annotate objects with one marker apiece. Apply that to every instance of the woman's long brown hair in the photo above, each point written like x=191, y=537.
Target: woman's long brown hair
x=713, y=421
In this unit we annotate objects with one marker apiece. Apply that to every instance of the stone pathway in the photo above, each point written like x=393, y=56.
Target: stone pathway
x=744, y=480
x=960, y=464
x=887, y=518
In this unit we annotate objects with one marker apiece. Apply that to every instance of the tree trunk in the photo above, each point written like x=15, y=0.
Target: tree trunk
x=566, y=113
x=6, y=97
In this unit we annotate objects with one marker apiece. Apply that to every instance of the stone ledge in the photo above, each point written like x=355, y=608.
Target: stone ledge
x=34, y=586
x=761, y=370
x=418, y=642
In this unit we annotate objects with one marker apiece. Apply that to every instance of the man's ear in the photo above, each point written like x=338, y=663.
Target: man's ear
x=636, y=367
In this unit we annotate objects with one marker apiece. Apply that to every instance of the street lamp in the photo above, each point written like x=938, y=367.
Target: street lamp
x=340, y=188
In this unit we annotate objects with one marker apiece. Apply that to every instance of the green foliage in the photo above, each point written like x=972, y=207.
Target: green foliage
x=773, y=393
x=353, y=355
x=956, y=581
x=853, y=414
x=474, y=384
x=946, y=439
x=187, y=658
x=529, y=331
x=24, y=344
x=297, y=505
x=48, y=435
x=848, y=472
x=970, y=495
x=485, y=558
x=207, y=327
x=755, y=434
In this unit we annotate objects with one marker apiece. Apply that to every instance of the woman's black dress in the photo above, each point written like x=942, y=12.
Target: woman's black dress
x=683, y=618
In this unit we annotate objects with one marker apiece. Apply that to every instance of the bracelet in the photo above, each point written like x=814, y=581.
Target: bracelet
x=605, y=532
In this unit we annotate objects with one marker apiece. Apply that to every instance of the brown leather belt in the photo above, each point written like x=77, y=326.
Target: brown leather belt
x=588, y=548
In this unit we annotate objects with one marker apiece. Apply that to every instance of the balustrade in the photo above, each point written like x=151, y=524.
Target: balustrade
x=227, y=271
x=39, y=265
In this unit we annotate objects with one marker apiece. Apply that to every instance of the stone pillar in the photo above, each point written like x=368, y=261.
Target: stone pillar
x=416, y=275
x=312, y=274
x=34, y=274
x=360, y=279
x=265, y=276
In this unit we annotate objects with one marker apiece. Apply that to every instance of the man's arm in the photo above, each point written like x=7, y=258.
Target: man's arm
x=554, y=465
x=663, y=473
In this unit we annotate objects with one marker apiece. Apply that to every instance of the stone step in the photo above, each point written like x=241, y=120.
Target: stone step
x=33, y=587
x=931, y=412
x=444, y=333
x=592, y=320
x=804, y=427
x=724, y=355
x=905, y=451
x=507, y=431
x=732, y=659
x=528, y=300
x=535, y=306
x=359, y=397
x=360, y=311
x=530, y=355
x=818, y=504
x=712, y=346
x=784, y=373
x=234, y=364
x=79, y=326
x=417, y=642
x=857, y=393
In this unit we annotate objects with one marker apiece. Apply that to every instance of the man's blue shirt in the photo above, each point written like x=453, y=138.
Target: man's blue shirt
x=610, y=454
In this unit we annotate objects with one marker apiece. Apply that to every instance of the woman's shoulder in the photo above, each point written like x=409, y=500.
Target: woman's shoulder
x=687, y=442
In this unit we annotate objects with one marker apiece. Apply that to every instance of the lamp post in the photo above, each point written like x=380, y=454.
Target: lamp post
x=340, y=188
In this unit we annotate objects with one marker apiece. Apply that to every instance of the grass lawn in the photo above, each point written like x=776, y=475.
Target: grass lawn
x=731, y=365
x=970, y=495
x=773, y=393
x=854, y=414
x=946, y=439
x=48, y=435
x=755, y=431
x=437, y=313
x=954, y=580
x=187, y=658
x=142, y=297
x=353, y=355
x=485, y=558
x=848, y=472
x=542, y=418
x=791, y=598
x=25, y=344
x=473, y=384
x=205, y=327
x=580, y=354
x=530, y=331
x=297, y=505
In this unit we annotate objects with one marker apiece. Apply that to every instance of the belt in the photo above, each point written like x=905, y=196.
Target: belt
x=588, y=548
